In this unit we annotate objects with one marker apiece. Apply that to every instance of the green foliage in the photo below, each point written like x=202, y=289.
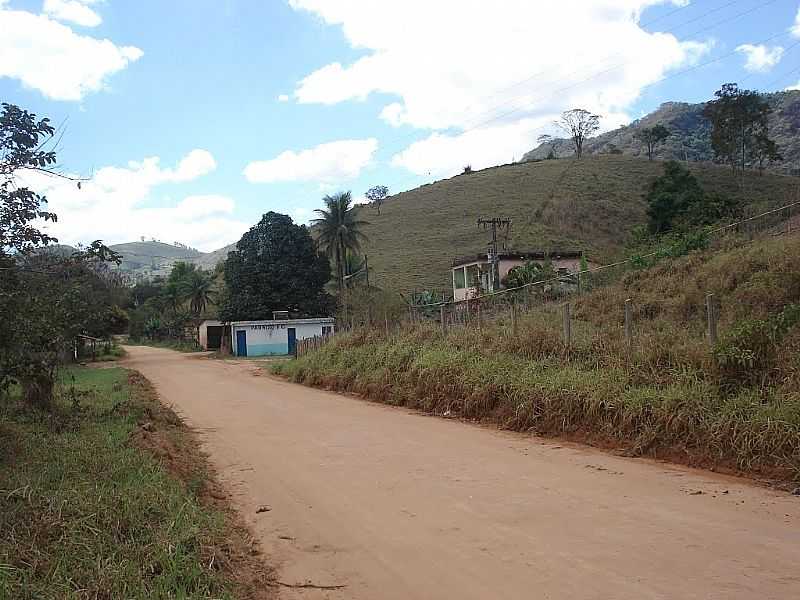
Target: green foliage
x=276, y=266
x=738, y=119
x=748, y=351
x=671, y=196
x=677, y=201
x=531, y=272
x=652, y=137
x=339, y=231
x=672, y=245
x=85, y=514
x=22, y=137
x=377, y=194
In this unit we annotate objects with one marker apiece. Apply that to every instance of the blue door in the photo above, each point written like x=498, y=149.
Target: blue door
x=241, y=343
x=292, y=334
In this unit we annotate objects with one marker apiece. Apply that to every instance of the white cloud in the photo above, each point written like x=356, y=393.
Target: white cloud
x=283, y=98
x=115, y=205
x=73, y=11
x=326, y=163
x=452, y=66
x=760, y=58
x=796, y=26
x=50, y=57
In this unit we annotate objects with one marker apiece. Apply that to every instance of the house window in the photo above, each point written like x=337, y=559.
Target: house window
x=459, y=281
x=473, y=276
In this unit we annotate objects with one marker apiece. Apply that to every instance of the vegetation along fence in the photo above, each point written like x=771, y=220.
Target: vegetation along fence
x=552, y=301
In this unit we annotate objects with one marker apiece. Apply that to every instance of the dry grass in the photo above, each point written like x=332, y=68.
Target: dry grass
x=668, y=399
x=588, y=205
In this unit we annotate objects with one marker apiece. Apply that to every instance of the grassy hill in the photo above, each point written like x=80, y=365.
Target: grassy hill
x=149, y=259
x=690, y=133
x=589, y=204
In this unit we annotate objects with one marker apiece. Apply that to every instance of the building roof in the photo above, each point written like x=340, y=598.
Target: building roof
x=534, y=255
x=320, y=320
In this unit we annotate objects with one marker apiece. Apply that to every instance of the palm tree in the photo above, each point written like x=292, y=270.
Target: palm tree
x=198, y=289
x=339, y=230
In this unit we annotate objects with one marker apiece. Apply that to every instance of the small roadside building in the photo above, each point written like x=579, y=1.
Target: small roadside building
x=210, y=334
x=473, y=273
x=277, y=336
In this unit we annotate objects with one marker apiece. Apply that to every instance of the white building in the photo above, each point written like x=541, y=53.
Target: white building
x=275, y=337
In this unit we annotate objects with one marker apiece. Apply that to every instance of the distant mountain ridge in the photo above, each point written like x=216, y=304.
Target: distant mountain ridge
x=690, y=134
x=150, y=259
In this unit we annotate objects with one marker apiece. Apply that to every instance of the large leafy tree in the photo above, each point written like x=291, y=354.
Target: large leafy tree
x=739, y=125
x=46, y=300
x=276, y=266
x=339, y=231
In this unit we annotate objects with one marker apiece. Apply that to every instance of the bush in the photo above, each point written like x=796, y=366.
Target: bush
x=747, y=353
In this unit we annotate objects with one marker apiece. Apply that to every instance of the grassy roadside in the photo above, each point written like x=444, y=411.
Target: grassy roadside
x=110, y=497
x=735, y=407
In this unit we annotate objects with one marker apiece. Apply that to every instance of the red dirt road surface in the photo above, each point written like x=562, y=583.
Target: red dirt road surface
x=397, y=505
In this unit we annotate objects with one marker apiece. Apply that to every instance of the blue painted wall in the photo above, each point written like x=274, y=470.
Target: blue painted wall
x=267, y=349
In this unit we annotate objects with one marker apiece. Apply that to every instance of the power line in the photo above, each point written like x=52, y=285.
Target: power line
x=400, y=182
x=589, y=78
x=604, y=267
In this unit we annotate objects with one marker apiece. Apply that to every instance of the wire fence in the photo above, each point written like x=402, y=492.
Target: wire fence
x=553, y=298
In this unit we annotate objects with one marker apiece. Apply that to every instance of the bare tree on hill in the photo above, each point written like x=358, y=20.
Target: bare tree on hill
x=579, y=124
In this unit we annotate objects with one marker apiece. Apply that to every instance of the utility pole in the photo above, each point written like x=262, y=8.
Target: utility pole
x=492, y=255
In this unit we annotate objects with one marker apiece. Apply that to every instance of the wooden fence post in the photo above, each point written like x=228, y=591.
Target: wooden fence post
x=441, y=318
x=629, y=326
x=514, y=318
x=711, y=317
x=567, y=327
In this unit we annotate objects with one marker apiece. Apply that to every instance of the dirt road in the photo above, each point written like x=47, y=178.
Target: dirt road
x=397, y=505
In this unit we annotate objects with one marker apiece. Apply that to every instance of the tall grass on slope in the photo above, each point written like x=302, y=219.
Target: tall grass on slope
x=671, y=397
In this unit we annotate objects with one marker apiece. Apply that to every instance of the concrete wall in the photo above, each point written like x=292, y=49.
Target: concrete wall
x=266, y=338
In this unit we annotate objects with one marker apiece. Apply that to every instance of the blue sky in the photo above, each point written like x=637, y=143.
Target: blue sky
x=194, y=118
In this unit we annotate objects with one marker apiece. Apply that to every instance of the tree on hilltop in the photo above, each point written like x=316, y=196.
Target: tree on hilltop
x=578, y=124
x=377, y=194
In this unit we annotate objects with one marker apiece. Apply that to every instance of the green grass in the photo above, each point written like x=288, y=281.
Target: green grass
x=85, y=514
x=589, y=204
x=670, y=399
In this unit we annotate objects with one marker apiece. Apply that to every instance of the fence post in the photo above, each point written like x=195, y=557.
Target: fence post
x=514, y=318
x=629, y=326
x=711, y=317
x=567, y=327
x=441, y=318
